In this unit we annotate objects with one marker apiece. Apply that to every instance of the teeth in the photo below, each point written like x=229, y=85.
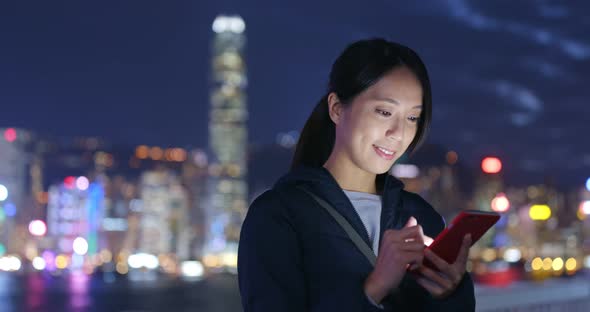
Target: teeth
x=385, y=151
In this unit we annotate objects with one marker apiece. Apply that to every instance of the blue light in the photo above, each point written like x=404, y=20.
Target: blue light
x=10, y=210
x=588, y=184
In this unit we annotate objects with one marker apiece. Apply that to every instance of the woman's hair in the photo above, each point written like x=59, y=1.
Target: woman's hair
x=361, y=65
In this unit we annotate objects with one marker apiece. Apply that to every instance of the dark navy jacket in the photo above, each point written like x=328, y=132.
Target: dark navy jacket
x=293, y=256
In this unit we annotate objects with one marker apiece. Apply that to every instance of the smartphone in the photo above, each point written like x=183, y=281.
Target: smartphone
x=448, y=243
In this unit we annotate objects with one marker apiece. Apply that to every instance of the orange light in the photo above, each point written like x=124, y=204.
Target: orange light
x=491, y=165
x=168, y=154
x=142, y=152
x=179, y=154
x=452, y=157
x=156, y=153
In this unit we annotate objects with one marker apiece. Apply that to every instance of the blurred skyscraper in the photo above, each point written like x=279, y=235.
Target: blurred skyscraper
x=228, y=139
x=163, y=222
x=75, y=210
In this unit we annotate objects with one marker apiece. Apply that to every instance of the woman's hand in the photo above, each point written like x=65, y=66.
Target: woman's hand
x=399, y=249
x=443, y=283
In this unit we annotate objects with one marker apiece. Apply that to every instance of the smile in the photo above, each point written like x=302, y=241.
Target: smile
x=383, y=152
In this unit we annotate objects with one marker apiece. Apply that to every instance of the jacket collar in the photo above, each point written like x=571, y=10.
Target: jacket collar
x=320, y=181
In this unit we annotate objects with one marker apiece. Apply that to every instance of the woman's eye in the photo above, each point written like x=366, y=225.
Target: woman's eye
x=413, y=119
x=383, y=113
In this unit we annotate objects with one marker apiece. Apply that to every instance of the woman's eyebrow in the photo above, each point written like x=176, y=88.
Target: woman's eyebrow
x=393, y=101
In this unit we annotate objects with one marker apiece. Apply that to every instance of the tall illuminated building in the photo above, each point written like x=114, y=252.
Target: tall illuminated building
x=164, y=209
x=228, y=137
x=75, y=210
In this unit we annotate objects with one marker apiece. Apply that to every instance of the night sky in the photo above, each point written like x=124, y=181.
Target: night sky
x=509, y=78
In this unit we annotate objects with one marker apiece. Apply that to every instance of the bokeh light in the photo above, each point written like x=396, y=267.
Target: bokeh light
x=491, y=165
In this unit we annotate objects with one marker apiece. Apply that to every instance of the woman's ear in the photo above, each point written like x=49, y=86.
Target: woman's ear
x=334, y=108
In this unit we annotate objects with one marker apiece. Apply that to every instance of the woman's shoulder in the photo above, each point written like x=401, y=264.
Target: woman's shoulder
x=273, y=202
x=432, y=222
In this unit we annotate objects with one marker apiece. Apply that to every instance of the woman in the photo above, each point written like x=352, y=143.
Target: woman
x=294, y=256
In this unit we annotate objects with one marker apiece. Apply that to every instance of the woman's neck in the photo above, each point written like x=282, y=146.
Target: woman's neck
x=349, y=177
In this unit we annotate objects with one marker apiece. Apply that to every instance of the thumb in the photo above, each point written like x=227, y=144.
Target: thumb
x=411, y=222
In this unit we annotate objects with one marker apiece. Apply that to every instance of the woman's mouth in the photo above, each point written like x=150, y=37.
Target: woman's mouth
x=384, y=153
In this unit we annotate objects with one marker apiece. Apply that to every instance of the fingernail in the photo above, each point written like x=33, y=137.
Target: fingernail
x=411, y=222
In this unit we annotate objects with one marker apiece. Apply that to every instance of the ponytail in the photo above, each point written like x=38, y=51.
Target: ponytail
x=316, y=139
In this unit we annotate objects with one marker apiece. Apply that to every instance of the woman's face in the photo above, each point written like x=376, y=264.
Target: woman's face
x=380, y=123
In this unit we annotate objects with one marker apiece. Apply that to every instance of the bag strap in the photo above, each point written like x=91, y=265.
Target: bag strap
x=352, y=233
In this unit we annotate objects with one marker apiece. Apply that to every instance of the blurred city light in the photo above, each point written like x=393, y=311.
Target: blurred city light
x=143, y=260
x=547, y=264
x=452, y=157
x=405, y=171
x=38, y=263
x=10, y=210
x=557, y=264
x=69, y=182
x=512, y=255
x=37, y=228
x=229, y=259
x=500, y=203
x=142, y=152
x=537, y=264
x=540, y=212
x=585, y=207
x=61, y=262
x=106, y=256
x=191, y=268
x=2, y=250
x=588, y=184
x=80, y=246
x=571, y=264
x=122, y=268
x=10, y=134
x=49, y=258
x=156, y=153
x=489, y=254
x=82, y=183
x=3, y=193
x=233, y=24
x=491, y=165
x=10, y=263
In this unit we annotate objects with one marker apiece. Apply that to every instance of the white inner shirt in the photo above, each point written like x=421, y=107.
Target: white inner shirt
x=368, y=207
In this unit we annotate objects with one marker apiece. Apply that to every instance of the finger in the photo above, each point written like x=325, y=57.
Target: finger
x=411, y=246
x=440, y=279
x=428, y=240
x=440, y=263
x=411, y=222
x=410, y=234
x=421, y=234
x=464, y=251
x=432, y=288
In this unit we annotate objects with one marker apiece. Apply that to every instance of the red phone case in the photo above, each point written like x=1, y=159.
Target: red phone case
x=448, y=243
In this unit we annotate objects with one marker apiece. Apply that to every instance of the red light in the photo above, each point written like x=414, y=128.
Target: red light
x=10, y=135
x=37, y=228
x=500, y=203
x=70, y=182
x=491, y=165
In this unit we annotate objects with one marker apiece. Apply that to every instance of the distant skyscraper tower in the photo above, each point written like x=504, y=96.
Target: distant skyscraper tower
x=227, y=136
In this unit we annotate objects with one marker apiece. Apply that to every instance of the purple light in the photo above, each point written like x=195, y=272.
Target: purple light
x=49, y=258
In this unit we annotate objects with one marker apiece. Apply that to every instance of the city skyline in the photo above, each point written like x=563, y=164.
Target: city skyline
x=143, y=78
